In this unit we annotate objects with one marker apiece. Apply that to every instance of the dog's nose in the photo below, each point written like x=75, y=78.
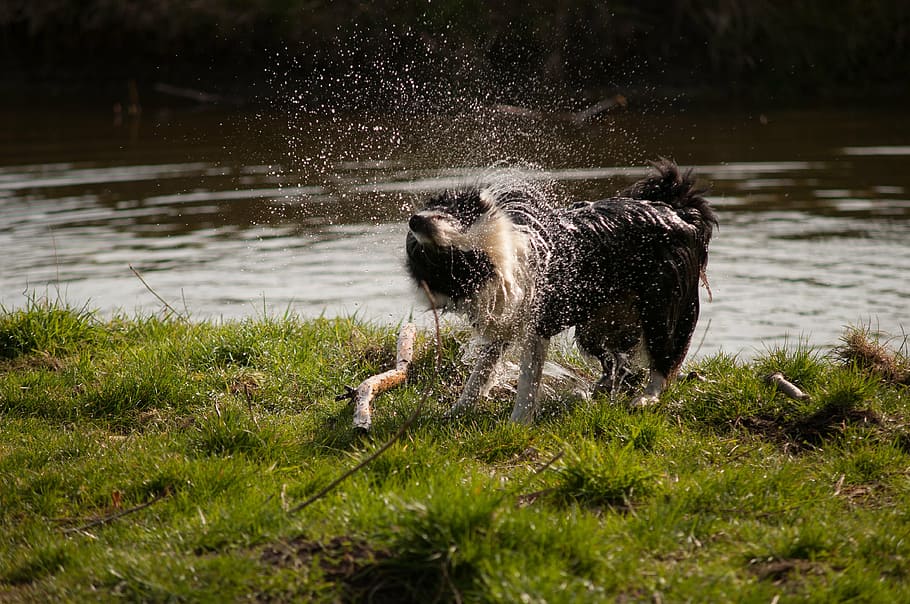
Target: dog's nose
x=419, y=223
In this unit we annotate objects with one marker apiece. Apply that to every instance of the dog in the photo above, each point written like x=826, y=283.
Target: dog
x=623, y=271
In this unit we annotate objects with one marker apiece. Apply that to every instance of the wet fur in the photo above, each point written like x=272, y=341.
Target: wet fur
x=623, y=271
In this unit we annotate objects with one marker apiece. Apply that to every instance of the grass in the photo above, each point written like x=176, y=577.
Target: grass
x=151, y=459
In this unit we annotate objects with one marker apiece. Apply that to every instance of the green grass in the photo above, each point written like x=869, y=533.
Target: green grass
x=206, y=435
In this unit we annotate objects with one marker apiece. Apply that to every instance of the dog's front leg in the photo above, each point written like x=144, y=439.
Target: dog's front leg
x=487, y=358
x=532, y=359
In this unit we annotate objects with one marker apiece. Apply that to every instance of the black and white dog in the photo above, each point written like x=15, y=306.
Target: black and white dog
x=623, y=271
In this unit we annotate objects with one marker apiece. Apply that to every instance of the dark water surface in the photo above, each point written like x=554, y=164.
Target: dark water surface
x=234, y=215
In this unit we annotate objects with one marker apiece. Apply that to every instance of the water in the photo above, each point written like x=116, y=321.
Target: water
x=244, y=214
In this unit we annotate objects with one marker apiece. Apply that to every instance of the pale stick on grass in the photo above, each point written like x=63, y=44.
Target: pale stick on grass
x=790, y=389
x=364, y=394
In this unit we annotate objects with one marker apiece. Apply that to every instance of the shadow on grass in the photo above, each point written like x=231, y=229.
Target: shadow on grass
x=431, y=552
x=811, y=430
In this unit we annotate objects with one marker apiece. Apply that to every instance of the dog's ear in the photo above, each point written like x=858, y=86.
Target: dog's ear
x=485, y=201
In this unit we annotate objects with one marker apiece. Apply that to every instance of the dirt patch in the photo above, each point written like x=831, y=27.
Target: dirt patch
x=343, y=559
x=40, y=361
x=246, y=384
x=780, y=571
x=827, y=422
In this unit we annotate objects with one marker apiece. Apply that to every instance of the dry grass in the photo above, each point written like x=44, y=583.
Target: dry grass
x=864, y=349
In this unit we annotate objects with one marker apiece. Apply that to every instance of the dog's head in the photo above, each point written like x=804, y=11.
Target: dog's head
x=451, y=220
x=443, y=245
x=458, y=242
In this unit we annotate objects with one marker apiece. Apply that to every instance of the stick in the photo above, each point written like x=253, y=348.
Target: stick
x=432, y=301
x=366, y=460
x=368, y=389
x=597, y=108
x=778, y=380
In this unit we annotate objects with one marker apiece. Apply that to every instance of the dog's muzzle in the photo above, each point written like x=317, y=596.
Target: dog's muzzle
x=420, y=224
x=422, y=228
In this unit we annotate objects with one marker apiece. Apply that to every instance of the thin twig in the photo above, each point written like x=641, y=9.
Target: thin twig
x=395, y=437
x=701, y=342
x=456, y=595
x=432, y=300
x=540, y=470
x=118, y=515
x=547, y=465
x=154, y=293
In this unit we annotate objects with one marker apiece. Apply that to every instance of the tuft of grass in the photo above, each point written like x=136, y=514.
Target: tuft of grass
x=809, y=540
x=38, y=559
x=44, y=327
x=137, y=389
x=602, y=476
x=500, y=442
x=733, y=391
x=864, y=349
x=231, y=429
x=643, y=432
x=861, y=463
x=847, y=390
x=803, y=364
x=437, y=545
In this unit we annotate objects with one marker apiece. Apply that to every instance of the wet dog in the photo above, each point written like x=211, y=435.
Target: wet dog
x=623, y=271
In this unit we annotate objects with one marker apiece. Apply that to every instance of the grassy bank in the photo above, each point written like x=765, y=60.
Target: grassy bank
x=156, y=459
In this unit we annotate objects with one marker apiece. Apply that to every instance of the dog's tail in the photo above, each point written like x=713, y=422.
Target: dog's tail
x=667, y=184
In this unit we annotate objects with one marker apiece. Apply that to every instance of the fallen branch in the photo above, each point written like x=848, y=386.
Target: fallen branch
x=778, y=380
x=364, y=394
x=596, y=109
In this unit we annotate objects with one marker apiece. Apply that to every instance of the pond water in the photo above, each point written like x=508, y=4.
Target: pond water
x=245, y=214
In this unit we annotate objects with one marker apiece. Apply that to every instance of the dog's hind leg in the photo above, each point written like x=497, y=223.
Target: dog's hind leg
x=487, y=358
x=617, y=374
x=659, y=361
x=612, y=336
x=666, y=351
x=656, y=384
x=532, y=360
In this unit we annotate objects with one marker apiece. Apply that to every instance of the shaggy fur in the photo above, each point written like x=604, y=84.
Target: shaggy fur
x=623, y=271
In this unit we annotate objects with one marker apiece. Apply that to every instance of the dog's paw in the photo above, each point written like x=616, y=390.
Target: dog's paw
x=644, y=400
x=454, y=413
x=459, y=409
x=523, y=417
x=603, y=388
